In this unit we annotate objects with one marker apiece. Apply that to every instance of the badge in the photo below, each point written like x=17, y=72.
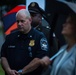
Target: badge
x=33, y=4
x=44, y=44
x=32, y=43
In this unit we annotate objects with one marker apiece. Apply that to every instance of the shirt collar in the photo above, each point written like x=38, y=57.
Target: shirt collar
x=28, y=35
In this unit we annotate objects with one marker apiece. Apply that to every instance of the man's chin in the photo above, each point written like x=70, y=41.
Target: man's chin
x=20, y=30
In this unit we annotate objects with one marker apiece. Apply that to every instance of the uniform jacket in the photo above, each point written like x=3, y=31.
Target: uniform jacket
x=68, y=65
x=20, y=49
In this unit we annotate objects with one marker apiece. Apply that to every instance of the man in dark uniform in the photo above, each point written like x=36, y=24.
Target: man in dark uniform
x=22, y=51
x=37, y=21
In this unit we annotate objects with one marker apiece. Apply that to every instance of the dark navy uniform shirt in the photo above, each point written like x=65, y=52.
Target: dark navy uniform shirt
x=20, y=49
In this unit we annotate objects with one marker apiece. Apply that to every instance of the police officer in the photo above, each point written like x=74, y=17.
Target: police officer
x=22, y=51
x=37, y=22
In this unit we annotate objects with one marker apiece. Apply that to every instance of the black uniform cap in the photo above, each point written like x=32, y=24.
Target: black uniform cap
x=34, y=8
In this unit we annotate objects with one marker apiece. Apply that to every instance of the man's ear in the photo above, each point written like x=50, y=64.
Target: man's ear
x=30, y=19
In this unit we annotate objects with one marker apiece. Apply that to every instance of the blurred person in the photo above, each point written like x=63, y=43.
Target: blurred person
x=24, y=51
x=65, y=62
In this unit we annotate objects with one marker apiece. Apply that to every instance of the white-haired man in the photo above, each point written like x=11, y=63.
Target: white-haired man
x=24, y=51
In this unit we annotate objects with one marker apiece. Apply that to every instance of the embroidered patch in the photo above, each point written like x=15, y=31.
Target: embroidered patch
x=44, y=44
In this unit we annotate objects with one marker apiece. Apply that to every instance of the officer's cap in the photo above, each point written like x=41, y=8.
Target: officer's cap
x=34, y=8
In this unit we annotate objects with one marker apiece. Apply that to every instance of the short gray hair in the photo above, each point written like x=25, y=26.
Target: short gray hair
x=25, y=12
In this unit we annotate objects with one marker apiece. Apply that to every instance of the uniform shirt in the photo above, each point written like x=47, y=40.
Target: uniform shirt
x=45, y=30
x=20, y=49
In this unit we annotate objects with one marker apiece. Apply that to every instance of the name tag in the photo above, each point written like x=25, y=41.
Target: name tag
x=11, y=46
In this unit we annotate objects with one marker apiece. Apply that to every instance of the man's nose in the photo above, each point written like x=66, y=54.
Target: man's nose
x=19, y=23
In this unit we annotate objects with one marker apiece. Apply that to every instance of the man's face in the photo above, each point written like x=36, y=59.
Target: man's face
x=36, y=19
x=23, y=23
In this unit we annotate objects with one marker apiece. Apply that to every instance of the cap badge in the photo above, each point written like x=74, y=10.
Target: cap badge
x=33, y=4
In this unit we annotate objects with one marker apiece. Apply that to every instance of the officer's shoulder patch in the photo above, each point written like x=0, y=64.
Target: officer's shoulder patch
x=44, y=44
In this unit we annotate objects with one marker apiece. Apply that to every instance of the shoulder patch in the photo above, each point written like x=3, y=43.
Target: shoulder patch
x=44, y=44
